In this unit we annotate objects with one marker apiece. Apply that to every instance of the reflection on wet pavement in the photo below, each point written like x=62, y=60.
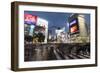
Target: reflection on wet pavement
x=43, y=52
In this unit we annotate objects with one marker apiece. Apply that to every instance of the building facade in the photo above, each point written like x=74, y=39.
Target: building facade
x=35, y=29
x=78, y=29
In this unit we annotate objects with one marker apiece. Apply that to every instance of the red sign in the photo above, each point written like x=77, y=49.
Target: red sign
x=30, y=19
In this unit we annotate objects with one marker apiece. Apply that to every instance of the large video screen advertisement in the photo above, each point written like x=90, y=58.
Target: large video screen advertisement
x=74, y=26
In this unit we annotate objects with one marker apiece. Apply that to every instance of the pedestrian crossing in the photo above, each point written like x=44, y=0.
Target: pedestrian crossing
x=52, y=53
x=59, y=55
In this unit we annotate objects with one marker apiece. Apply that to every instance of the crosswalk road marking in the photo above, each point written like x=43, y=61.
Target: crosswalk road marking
x=87, y=56
x=57, y=55
x=70, y=56
x=73, y=56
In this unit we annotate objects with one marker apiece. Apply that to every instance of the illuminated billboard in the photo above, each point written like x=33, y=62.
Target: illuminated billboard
x=30, y=19
x=42, y=22
x=73, y=26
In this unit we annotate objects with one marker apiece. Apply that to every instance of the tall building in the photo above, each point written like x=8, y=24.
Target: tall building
x=78, y=29
x=43, y=23
x=82, y=26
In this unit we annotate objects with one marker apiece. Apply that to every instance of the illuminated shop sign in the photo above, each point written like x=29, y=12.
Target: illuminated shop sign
x=30, y=19
x=41, y=22
x=31, y=30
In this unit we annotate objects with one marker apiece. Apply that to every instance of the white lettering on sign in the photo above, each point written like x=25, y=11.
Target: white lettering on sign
x=73, y=22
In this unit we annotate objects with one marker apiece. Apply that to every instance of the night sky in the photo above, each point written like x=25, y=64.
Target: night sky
x=56, y=19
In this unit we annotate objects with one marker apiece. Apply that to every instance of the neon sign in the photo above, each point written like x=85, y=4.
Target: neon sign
x=30, y=19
